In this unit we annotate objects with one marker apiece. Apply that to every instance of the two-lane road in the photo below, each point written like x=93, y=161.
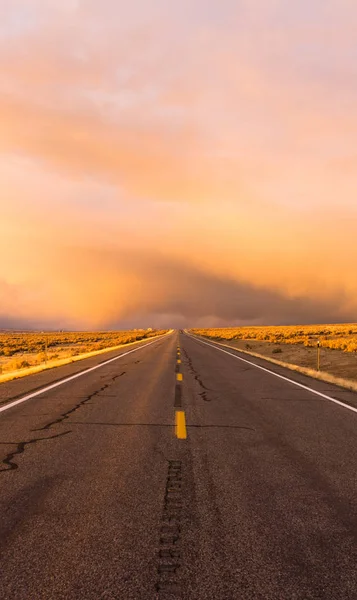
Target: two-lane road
x=252, y=495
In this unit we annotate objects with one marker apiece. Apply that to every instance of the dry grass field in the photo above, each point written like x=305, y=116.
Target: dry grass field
x=23, y=350
x=297, y=345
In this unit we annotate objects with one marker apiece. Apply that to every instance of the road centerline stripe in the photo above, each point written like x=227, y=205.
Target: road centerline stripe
x=180, y=425
x=179, y=376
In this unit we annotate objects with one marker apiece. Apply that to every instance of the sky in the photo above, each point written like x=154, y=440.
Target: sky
x=177, y=164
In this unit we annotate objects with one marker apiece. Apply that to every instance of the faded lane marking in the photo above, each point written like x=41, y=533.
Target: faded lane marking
x=180, y=425
x=178, y=396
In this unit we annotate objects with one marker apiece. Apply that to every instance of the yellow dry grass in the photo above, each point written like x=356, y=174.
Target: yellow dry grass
x=297, y=347
x=338, y=337
x=322, y=375
x=69, y=347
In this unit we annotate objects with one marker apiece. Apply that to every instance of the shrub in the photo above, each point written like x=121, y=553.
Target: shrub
x=338, y=337
x=23, y=364
x=14, y=365
x=78, y=342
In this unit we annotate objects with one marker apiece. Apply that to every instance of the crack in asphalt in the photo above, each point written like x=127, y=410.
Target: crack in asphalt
x=122, y=424
x=72, y=410
x=309, y=400
x=169, y=425
x=222, y=427
x=196, y=376
x=20, y=448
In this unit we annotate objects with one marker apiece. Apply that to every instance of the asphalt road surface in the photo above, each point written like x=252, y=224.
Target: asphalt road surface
x=253, y=494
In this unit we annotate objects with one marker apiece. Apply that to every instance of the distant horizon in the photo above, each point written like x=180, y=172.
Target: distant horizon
x=39, y=330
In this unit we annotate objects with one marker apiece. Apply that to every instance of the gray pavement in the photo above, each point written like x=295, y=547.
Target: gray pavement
x=99, y=499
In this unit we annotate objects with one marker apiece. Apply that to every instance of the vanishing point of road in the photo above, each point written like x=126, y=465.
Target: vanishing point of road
x=177, y=469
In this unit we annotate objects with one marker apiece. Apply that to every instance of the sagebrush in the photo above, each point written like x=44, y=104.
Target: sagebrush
x=337, y=337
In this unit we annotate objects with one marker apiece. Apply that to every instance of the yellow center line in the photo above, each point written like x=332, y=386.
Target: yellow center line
x=180, y=425
x=179, y=376
x=178, y=361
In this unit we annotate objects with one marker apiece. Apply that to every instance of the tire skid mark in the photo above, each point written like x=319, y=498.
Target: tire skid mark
x=20, y=449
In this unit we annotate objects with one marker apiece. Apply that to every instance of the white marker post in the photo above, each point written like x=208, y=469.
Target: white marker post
x=318, y=355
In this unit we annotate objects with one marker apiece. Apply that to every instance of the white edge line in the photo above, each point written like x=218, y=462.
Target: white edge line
x=304, y=387
x=58, y=383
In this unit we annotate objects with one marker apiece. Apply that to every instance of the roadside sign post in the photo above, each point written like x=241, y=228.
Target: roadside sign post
x=318, y=355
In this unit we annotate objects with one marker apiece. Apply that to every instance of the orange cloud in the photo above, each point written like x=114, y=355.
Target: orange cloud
x=175, y=165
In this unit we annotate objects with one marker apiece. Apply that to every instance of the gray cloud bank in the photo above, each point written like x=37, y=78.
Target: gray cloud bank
x=159, y=292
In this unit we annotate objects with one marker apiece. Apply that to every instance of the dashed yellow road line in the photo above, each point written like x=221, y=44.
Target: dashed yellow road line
x=178, y=361
x=180, y=425
x=179, y=376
